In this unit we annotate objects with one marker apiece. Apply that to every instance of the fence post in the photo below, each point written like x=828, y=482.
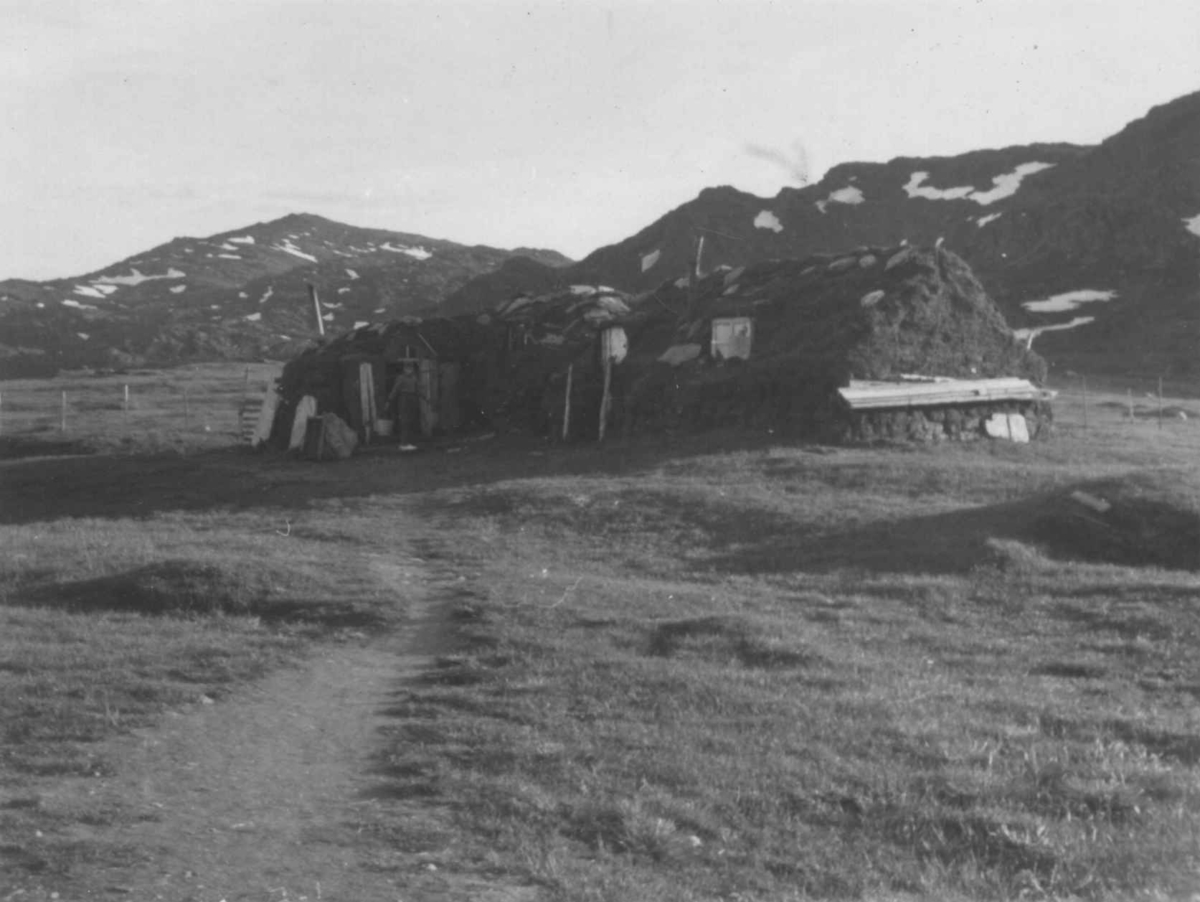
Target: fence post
x=566, y=430
x=605, y=398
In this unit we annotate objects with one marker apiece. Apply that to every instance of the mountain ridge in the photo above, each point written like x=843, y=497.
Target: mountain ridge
x=1120, y=218
x=238, y=293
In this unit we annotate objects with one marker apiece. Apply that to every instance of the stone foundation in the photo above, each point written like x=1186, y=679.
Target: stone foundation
x=963, y=423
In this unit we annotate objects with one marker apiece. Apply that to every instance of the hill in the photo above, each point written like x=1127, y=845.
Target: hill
x=1119, y=220
x=240, y=293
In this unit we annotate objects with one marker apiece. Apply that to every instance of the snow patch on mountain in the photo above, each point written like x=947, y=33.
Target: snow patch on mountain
x=418, y=252
x=1192, y=224
x=229, y=256
x=768, y=220
x=88, y=291
x=252, y=317
x=359, y=323
x=289, y=248
x=1060, y=303
x=1028, y=335
x=270, y=291
x=984, y=220
x=83, y=335
x=242, y=294
x=1004, y=185
x=352, y=274
x=851, y=194
x=914, y=188
x=242, y=239
x=650, y=259
x=136, y=277
x=229, y=247
x=343, y=290
x=69, y=302
x=178, y=289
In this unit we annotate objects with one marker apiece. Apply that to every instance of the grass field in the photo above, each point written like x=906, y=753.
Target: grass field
x=715, y=668
x=185, y=409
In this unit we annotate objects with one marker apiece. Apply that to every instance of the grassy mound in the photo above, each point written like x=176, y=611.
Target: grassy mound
x=1149, y=519
x=202, y=587
x=723, y=640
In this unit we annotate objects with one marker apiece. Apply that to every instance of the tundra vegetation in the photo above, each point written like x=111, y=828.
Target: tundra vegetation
x=688, y=667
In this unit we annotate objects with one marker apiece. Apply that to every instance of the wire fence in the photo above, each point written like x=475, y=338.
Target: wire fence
x=1105, y=403
x=194, y=408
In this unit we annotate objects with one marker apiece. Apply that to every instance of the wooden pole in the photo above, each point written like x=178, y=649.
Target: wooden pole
x=693, y=276
x=605, y=400
x=1160, y=402
x=63, y=419
x=312, y=293
x=566, y=430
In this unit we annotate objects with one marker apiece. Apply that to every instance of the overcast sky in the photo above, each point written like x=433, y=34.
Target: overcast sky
x=556, y=124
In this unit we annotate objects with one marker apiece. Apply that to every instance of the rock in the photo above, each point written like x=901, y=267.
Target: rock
x=870, y=299
x=897, y=258
x=996, y=426
x=1099, y=505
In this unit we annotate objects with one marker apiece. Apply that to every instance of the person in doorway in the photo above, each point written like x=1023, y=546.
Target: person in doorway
x=403, y=399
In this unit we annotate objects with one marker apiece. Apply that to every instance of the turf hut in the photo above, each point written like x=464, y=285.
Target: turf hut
x=397, y=381
x=556, y=353
x=769, y=345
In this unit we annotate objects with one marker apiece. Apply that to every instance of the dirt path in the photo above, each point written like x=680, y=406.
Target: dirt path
x=267, y=795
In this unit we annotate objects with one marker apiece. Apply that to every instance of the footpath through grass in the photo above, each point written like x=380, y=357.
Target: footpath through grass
x=107, y=626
